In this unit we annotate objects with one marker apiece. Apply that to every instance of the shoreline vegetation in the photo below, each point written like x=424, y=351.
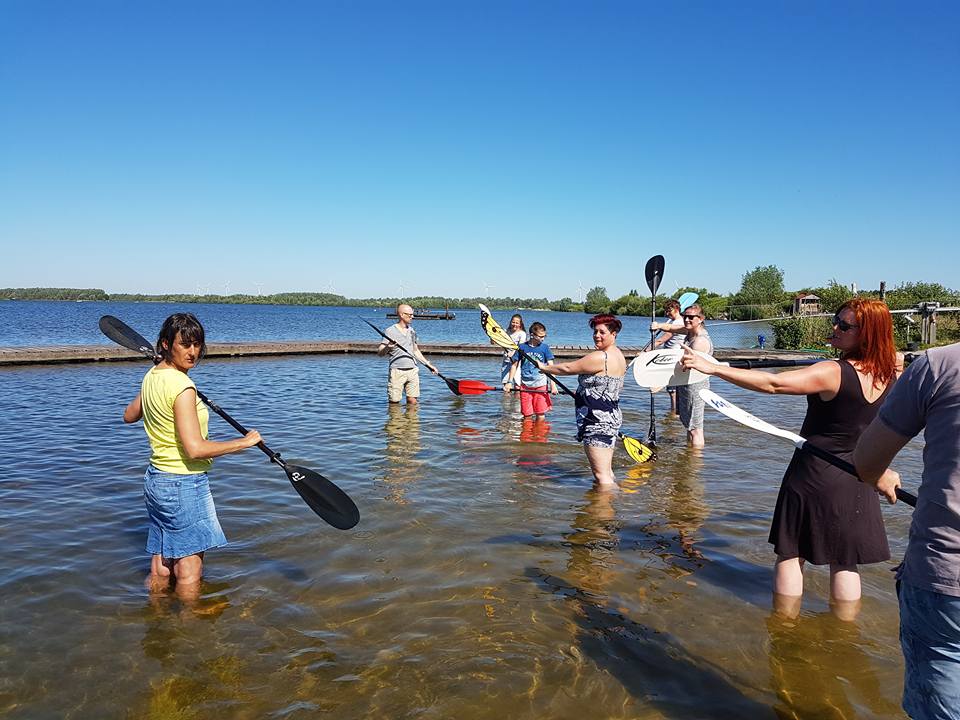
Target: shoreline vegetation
x=762, y=296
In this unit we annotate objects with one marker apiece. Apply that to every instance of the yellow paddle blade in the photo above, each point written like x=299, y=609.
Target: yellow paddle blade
x=637, y=450
x=493, y=330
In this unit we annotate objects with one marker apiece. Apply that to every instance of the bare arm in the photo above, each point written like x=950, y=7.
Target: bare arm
x=824, y=377
x=134, y=410
x=426, y=363
x=188, y=430
x=875, y=450
x=587, y=365
x=662, y=339
x=669, y=327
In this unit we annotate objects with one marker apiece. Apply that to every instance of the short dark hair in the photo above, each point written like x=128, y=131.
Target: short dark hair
x=537, y=326
x=611, y=322
x=671, y=304
x=189, y=328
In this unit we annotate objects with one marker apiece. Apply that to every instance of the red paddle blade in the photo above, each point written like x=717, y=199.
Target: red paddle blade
x=473, y=387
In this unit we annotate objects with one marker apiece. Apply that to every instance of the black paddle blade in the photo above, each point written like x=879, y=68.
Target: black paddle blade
x=454, y=385
x=324, y=498
x=123, y=334
x=654, y=272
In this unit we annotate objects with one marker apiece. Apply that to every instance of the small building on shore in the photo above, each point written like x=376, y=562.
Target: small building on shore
x=806, y=304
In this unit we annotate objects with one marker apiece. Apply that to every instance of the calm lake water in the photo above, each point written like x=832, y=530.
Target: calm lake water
x=26, y=323
x=485, y=579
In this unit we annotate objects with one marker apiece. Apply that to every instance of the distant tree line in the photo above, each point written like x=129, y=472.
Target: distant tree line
x=761, y=295
x=296, y=298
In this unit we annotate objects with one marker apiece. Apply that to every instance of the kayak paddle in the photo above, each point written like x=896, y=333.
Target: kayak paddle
x=654, y=274
x=322, y=496
x=745, y=418
x=635, y=449
x=659, y=368
x=457, y=387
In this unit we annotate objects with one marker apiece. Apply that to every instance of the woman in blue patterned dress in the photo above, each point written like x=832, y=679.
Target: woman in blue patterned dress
x=598, y=397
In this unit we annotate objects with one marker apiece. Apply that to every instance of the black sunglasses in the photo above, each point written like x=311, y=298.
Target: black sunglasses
x=689, y=317
x=843, y=325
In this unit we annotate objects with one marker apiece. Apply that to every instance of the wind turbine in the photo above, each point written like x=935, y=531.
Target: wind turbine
x=486, y=289
x=259, y=288
x=226, y=288
x=580, y=291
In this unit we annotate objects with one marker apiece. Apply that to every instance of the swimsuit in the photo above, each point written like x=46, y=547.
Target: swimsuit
x=598, y=408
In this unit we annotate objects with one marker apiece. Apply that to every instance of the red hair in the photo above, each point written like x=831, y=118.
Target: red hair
x=613, y=325
x=876, y=353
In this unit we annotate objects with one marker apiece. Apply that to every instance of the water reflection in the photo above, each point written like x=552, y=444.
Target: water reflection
x=593, y=543
x=402, y=466
x=821, y=667
x=686, y=510
x=168, y=613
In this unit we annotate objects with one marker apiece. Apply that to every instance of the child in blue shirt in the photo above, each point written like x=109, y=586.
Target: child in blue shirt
x=534, y=397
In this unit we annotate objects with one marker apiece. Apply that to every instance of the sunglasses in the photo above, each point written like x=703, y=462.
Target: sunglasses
x=538, y=337
x=843, y=325
x=689, y=317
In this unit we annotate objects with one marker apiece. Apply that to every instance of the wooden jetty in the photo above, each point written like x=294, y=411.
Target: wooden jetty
x=62, y=354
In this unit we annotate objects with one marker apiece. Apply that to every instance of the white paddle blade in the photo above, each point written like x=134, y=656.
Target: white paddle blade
x=661, y=368
x=745, y=418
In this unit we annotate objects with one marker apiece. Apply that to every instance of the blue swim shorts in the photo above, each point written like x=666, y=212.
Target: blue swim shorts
x=183, y=519
x=930, y=639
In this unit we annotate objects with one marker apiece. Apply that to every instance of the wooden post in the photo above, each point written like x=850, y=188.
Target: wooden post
x=928, y=326
x=883, y=289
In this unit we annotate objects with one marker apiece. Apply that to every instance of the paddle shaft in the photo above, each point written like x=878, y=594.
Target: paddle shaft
x=560, y=385
x=654, y=274
x=274, y=456
x=392, y=342
x=908, y=497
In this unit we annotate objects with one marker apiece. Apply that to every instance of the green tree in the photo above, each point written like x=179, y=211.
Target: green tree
x=832, y=296
x=761, y=292
x=630, y=304
x=714, y=305
x=907, y=295
x=596, y=301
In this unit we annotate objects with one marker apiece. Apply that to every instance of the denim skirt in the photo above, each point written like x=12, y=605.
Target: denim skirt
x=183, y=519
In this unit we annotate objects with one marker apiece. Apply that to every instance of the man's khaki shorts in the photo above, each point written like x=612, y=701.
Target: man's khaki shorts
x=401, y=380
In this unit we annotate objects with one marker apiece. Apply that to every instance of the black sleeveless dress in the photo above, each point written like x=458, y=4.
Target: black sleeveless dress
x=824, y=515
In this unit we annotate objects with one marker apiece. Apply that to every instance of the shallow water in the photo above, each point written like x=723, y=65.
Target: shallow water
x=485, y=579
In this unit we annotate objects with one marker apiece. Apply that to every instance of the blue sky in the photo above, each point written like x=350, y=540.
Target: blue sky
x=466, y=148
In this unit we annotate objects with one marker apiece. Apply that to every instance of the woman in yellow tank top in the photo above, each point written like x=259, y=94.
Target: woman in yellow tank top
x=183, y=518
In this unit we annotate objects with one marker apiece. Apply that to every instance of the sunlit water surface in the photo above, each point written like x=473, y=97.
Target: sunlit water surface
x=485, y=579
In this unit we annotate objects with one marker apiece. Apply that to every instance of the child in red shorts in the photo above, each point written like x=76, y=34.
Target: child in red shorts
x=535, y=398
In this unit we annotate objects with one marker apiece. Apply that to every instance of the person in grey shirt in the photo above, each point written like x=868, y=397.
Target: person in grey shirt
x=926, y=397
x=403, y=374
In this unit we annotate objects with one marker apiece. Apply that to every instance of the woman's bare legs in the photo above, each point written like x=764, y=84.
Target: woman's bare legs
x=601, y=465
x=185, y=573
x=787, y=586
